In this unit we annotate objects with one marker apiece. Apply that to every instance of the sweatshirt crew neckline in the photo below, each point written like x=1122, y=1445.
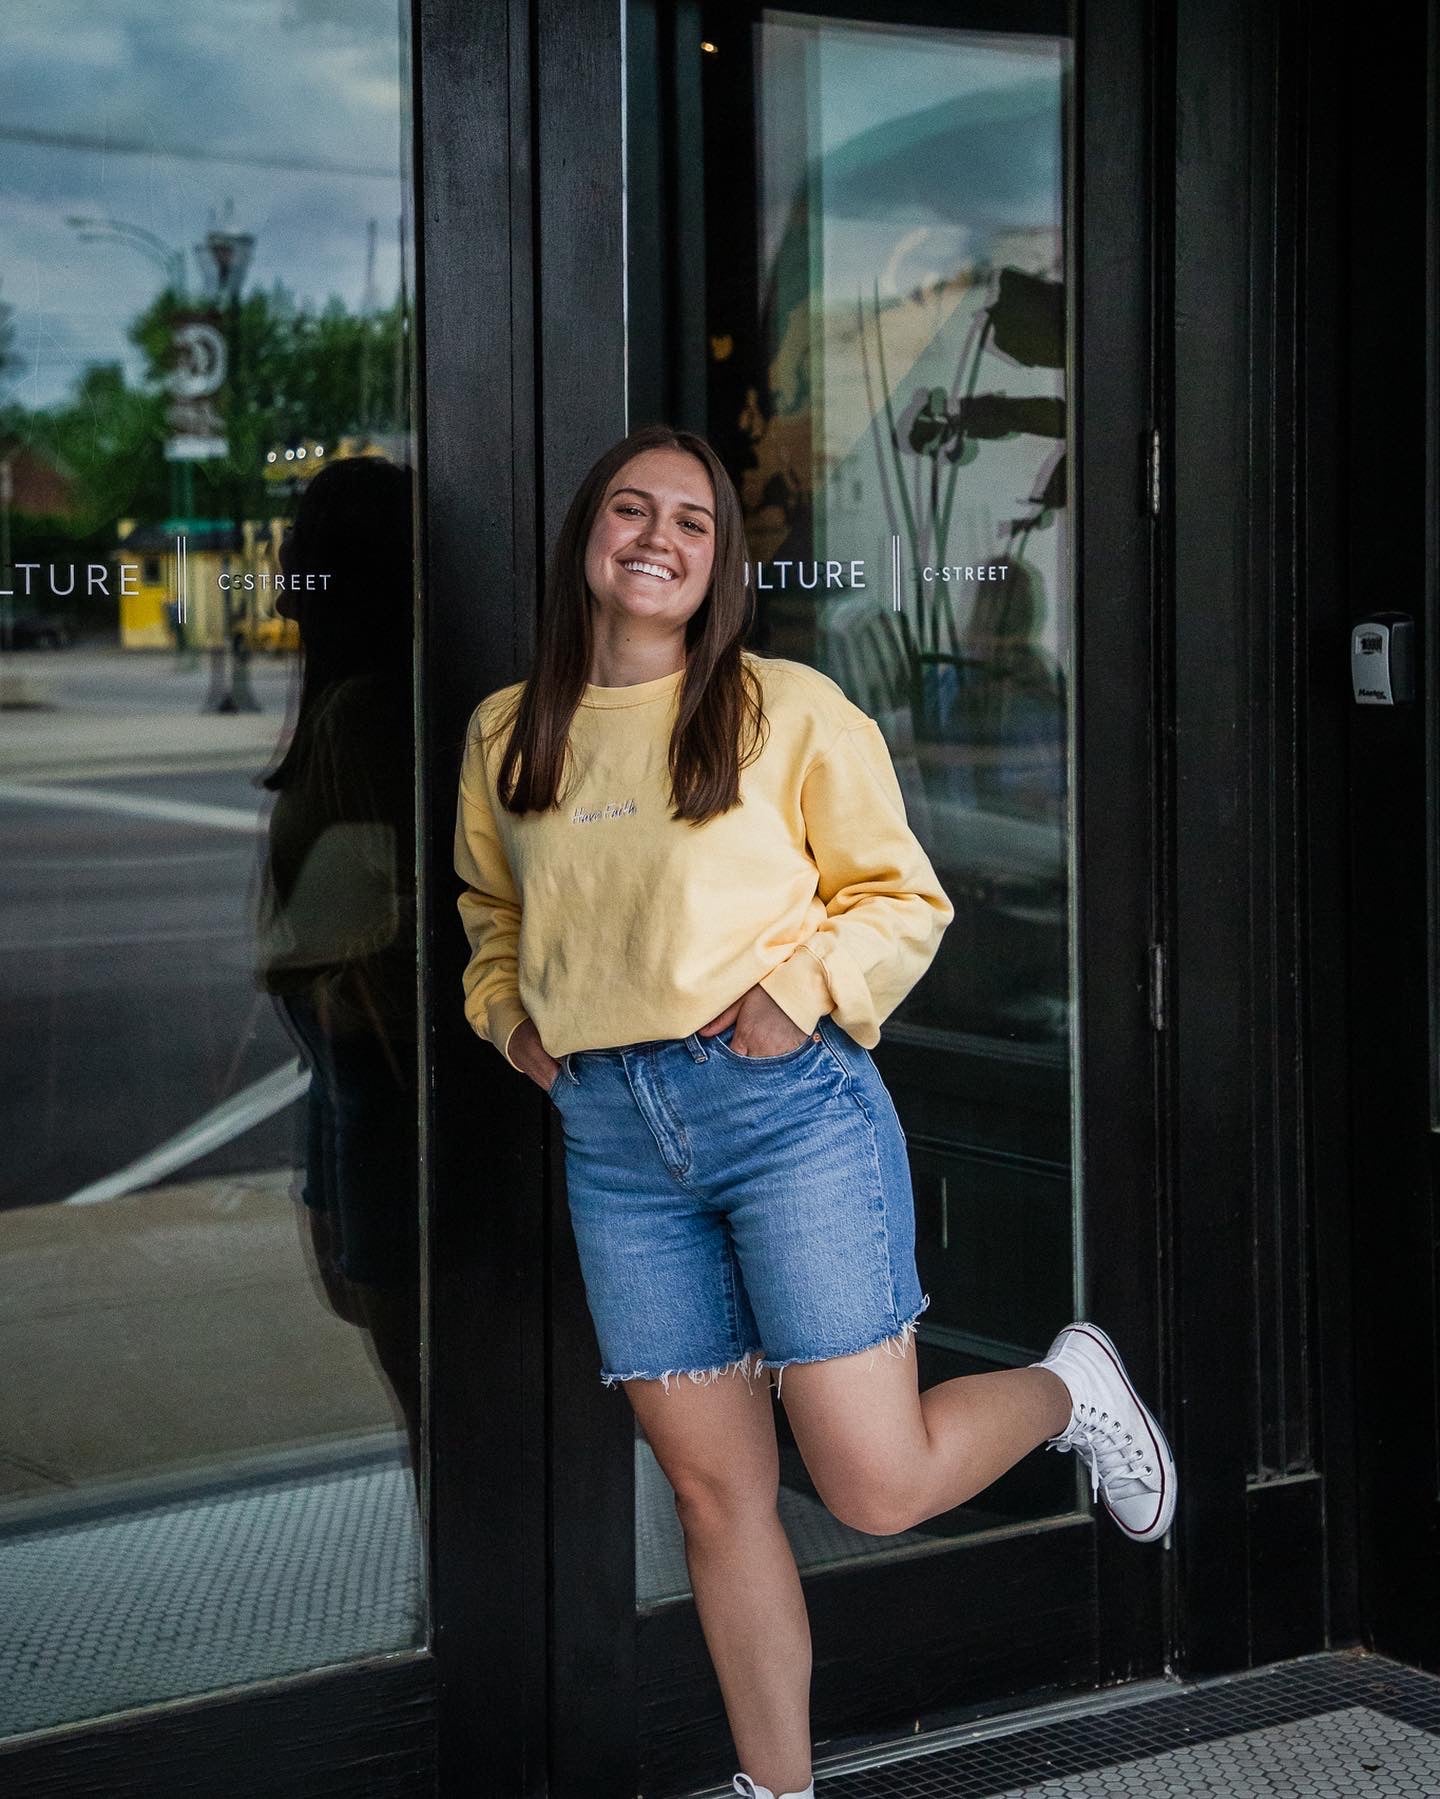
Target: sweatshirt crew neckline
x=638, y=693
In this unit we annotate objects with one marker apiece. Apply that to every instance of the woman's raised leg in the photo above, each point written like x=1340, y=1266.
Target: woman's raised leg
x=716, y=1444
x=885, y=1456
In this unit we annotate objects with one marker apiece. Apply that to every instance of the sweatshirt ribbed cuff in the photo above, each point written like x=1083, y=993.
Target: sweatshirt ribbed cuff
x=503, y=1017
x=798, y=986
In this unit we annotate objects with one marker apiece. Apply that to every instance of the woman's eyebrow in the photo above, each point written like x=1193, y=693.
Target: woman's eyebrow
x=689, y=505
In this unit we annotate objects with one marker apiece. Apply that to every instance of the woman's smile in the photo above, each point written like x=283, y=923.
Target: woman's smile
x=654, y=571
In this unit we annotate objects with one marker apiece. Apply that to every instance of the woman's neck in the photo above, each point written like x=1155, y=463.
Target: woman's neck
x=627, y=661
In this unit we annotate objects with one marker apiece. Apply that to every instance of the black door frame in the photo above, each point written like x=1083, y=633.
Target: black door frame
x=485, y=1149
x=1254, y=701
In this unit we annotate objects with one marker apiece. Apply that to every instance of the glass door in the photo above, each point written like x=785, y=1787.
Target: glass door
x=867, y=300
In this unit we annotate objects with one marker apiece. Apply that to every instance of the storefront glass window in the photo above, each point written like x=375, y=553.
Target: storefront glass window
x=209, y=1230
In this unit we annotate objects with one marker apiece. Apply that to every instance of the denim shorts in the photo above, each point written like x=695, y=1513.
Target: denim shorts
x=737, y=1212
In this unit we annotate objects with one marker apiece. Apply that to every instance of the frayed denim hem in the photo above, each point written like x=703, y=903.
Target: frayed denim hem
x=749, y=1365
x=895, y=1343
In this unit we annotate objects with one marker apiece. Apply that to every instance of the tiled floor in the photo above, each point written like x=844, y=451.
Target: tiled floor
x=1319, y=1728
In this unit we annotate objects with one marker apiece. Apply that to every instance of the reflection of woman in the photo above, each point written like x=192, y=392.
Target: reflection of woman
x=338, y=922
x=690, y=948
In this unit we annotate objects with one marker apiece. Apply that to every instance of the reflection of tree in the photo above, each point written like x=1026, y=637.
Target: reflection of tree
x=301, y=377
x=102, y=448
x=107, y=439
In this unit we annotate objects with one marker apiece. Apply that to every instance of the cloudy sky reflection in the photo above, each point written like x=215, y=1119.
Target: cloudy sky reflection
x=292, y=110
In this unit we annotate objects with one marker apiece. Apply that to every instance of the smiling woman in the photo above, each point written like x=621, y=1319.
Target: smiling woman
x=209, y=1211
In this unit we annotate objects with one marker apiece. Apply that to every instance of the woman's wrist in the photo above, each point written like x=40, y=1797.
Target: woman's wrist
x=763, y=1027
x=524, y=1049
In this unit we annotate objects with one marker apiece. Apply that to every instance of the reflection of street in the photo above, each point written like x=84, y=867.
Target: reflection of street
x=128, y=1006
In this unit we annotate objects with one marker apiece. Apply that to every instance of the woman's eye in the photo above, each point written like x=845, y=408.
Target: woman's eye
x=694, y=523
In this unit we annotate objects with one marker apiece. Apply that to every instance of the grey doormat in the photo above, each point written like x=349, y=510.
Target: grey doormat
x=169, y=1600
x=1317, y=1728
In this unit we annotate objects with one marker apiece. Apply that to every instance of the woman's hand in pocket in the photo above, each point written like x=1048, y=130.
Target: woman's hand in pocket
x=530, y=1055
x=762, y=1028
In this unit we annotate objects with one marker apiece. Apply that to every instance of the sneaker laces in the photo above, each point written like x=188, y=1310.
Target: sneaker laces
x=1115, y=1460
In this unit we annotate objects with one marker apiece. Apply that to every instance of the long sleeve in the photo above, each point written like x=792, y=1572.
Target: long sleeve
x=885, y=910
x=489, y=910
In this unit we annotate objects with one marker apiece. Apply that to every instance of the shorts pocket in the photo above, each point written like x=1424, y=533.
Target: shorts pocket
x=813, y=1045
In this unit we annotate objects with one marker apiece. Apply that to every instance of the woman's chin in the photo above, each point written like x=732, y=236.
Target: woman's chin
x=627, y=604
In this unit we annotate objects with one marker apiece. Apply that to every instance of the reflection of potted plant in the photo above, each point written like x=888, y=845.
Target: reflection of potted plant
x=1025, y=322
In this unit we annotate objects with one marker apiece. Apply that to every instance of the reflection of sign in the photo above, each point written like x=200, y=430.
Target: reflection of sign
x=197, y=373
x=199, y=366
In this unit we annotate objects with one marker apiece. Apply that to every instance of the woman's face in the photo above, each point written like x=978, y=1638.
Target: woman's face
x=652, y=545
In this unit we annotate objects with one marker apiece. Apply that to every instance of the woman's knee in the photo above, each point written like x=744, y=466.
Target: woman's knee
x=875, y=1503
x=716, y=1502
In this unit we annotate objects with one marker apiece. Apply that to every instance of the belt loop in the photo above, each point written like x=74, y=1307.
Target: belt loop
x=696, y=1047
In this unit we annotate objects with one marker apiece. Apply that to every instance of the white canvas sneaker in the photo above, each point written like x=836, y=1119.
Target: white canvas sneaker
x=745, y=1786
x=1110, y=1429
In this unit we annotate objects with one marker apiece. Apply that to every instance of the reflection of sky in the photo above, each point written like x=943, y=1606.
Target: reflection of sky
x=305, y=95
x=919, y=152
x=981, y=109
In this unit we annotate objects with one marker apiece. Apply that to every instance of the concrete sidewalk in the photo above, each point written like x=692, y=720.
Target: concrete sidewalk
x=180, y=1328
x=86, y=713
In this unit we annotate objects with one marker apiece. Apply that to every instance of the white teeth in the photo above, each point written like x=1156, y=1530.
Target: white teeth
x=649, y=568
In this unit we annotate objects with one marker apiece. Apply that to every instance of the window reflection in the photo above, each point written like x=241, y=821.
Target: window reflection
x=337, y=923
x=208, y=1218
x=905, y=407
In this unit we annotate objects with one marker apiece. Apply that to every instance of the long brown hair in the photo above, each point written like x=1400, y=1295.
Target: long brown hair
x=720, y=720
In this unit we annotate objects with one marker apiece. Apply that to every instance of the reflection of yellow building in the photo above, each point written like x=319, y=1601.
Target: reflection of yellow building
x=215, y=566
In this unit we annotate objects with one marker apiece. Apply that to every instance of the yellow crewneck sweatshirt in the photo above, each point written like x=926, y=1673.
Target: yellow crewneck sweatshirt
x=609, y=922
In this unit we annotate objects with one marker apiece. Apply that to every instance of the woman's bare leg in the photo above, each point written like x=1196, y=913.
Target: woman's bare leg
x=716, y=1444
x=885, y=1456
